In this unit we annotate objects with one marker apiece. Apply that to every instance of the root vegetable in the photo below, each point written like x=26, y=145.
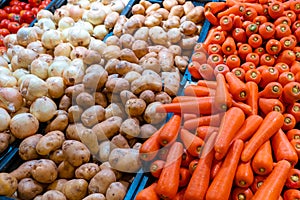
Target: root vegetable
x=148, y=96
x=85, y=100
x=96, y=16
x=105, y=148
x=57, y=156
x=151, y=116
x=4, y=141
x=107, y=128
x=87, y=171
x=114, y=110
x=53, y=194
x=44, y=171
x=39, y=68
x=78, y=37
x=78, y=52
x=57, y=185
x=65, y=170
x=43, y=109
x=128, y=55
x=152, y=63
x=29, y=188
x=72, y=75
x=111, y=19
x=111, y=52
x=131, y=76
x=74, y=113
x=51, y=38
x=93, y=115
x=73, y=131
x=147, y=130
x=33, y=87
x=75, y=189
x=95, y=196
x=140, y=48
x=171, y=82
x=141, y=33
x=25, y=35
x=119, y=141
x=101, y=181
x=24, y=125
x=27, y=148
x=57, y=68
x=116, y=85
x=91, y=57
x=56, y=87
x=37, y=47
x=89, y=138
x=196, y=15
x=95, y=77
x=110, y=66
x=100, y=31
x=158, y=35
x=4, y=119
x=113, y=40
x=76, y=152
x=135, y=107
x=125, y=160
x=50, y=142
x=125, y=95
x=163, y=98
x=63, y=49
x=115, y=191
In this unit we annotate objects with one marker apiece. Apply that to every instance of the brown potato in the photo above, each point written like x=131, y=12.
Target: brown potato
x=4, y=141
x=95, y=77
x=27, y=148
x=142, y=34
x=111, y=19
x=50, y=142
x=24, y=170
x=59, y=123
x=130, y=128
x=113, y=40
x=87, y=171
x=8, y=184
x=181, y=63
x=196, y=15
x=74, y=113
x=153, y=7
x=119, y=141
x=125, y=95
x=116, y=85
x=76, y=152
x=24, y=125
x=163, y=12
x=158, y=35
x=168, y=4
x=171, y=82
x=148, y=96
x=114, y=109
x=140, y=48
x=93, y=115
x=163, y=98
x=95, y=196
x=124, y=67
x=128, y=55
x=174, y=35
x=111, y=52
x=100, y=99
x=107, y=128
x=131, y=76
x=29, y=188
x=57, y=156
x=53, y=194
x=89, y=138
x=110, y=66
x=170, y=23
x=154, y=19
x=151, y=116
x=73, y=131
x=65, y=103
x=125, y=160
x=65, y=170
x=151, y=63
x=127, y=41
x=85, y=100
x=75, y=189
x=115, y=191
x=73, y=91
x=58, y=184
x=138, y=9
x=44, y=171
x=175, y=50
x=101, y=181
x=176, y=10
x=147, y=130
x=166, y=60
x=188, y=28
x=149, y=80
x=135, y=107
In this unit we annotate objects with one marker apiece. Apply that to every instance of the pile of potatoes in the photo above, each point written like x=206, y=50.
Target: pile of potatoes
x=82, y=107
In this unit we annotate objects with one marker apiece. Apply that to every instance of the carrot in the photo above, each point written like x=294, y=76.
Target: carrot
x=289, y=122
x=267, y=59
x=209, y=84
x=285, y=78
x=199, y=57
x=270, y=125
x=223, y=99
x=241, y=194
x=215, y=59
x=203, y=105
x=283, y=149
x=207, y=72
x=249, y=127
x=282, y=67
x=169, y=131
x=193, y=69
x=189, y=116
x=211, y=18
x=191, y=142
x=272, y=90
x=230, y=124
x=253, y=75
x=237, y=9
x=269, y=74
x=293, y=134
x=293, y=180
x=274, y=183
x=148, y=193
x=214, y=49
x=244, y=176
x=206, y=120
x=168, y=182
x=193, y=165
x=187, y=158
x=286, y=56
x=296, y=145
x=184, y=177
x=291, y=194
x=239, y=72
x=156, y=167
x=239, y=35
x=221, y=69
x=237, y=88
x=221, y=185
x=291, y=92
x=180, y=194
x=199, y=182
x=150, y=147
x=228, y=46
x=244, y=107
x=276, y=9
x=262, y=162
x=216, y=165
x=180, y=99
x=205, y=131
x=198, y=91
x=226, y=23
x=294, y=109
x=215, y=7
x=258, y=182
x=244, y=49
x=268, y=105
x=163, y=153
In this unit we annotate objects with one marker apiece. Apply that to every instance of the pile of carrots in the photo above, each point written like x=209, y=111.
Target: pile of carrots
x=234, y=133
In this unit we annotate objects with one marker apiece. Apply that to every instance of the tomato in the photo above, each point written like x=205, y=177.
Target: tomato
x=27, y=16
x=13, y=27
x=1, y=41
x=22, y=4
x=35, y=10
x=4, y=32
x=16, y=9
x=24, y=25
x=34, y=3
x=4, y=23
x=3, y=14
x=7, y=9
x=13, y=2
x=27, y=7
x=14, y=17
x=41, y=7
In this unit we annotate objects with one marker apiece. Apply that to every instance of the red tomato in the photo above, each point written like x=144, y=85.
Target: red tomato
x=22, y=4
x=3, y=14
x=4, y=32
x=13, y=2
x=27, y=16
x=1, y=41
x=34, y=3
x=27, y=7
x=16, y=9
x=24, y=25
x=35, y=10
x=4, y=23
x=13, y=27
x=7, y=9
x=41, y=7
x=14, y=17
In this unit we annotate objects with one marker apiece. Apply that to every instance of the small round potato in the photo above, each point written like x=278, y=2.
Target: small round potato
x=57, y=156
x=27, y=148
x=4, y=141
x=93, y=115
x=147, y=130
x=135, y=107
x=8, y=184
x=87, y=171
x=148, y=96
x=53, y=194
x=125, y=160
x=44, y=171
x=95, y=196
x=58, y=184
x=115, y=191
x=24, y=125
x=76, y=152
x=29, y=188
x=65, y=170
x=151, y=116
x=130, y=128
x=101, y=181
x=73, y=131
x=50, y=142
x=75, y=189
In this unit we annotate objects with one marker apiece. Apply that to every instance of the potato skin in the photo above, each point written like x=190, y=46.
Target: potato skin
x=107, y=128
x=95, y=196
x=75, y=189
x=29, y=188
x=44, y=171
x=115, y=191
x=93, y=115
x=8, y=184
x=76, y=152
x=135, y=107
x=4, y=141
x=87, y=171
x=24, y=170
x=125, y=160
x=27, y=148
x=101, y=181
x=151, y=116
x=24, y=125
x=58, y=184
x=66, y=170
x=53, y=194
x=57, y=156
x=50, y=142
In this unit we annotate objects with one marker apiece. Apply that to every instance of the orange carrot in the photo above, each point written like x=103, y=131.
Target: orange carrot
x=270, y=125
x=169, y=131
x=206, y=120
x=221, y=185
x=198, y=91
x=244, y=176
x=184, y=177
x=296, y=145
x=150, y=147
x=274, y=183
x=216, y=165
x=193, y=165
x=289, y=122
x=209, y=84
x=148, y=193
x=268, y=105
x=180, y=99
x=231, y=122
x=291, y=194
x=241, y=194
x=187, y=117
x=168, y=182
x=191, y=142
x=252, y=99
x=179, y=195
x=244, y=107
x=237, y=87
x=205, y=131
x=223, y=99
x=156, y=167
x=257, y=183
x=187, y=158
x=272, y=90
x=293, y=134
x=262, y=162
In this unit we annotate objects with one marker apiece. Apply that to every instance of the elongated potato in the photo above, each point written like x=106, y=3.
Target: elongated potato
x=128, y=55
x=27, y=148
x=119, y=141
x=101, y=181
x=125, y=160
x=130, y=128
x=50, y=142
x=58, y=184
x=149, y=80
x=142, y=34
x=87, y=171
x=158, y=35
x=166, y=60
x=105, y=148
x=116, y=191
x=171, y=82
x=89, y=138
x=59, y=123
x=4, y=141
x=8, y=184
x=107, y=128
x=65, y=170
x=24, y=125
x=73, y=131
x=148, y=96
x=147, y=130
x=76, y=152
x=111, y=19
x=24, y=170
x=93, y=115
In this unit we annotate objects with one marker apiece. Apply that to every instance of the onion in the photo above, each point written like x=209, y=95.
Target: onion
x=25, y=57
x=37, y=46
x=19, y=73
x=100, y=32
x=33, y=87
x=75, y=12
x=85, y=25
x=65, y=34
x=7, y=81
x=60, y=13
x=51, y=38
x=38, y=31
x=62, y=58
x=79, y=37
x=91, y=57
x=85, y=4
x=25, y=35
x=73, y=75
x=46, y=57
x=44, y=14
x=96, y=16
x=57, y=68
x=14, y=50
x=14, y=63
x=10, y=99
x=65, y=22
x=4, y=119
x=45, y=24
x=78, y=52
x=117, y=6
x=3, y=62
x=9, y=40
x=24, y=77
x=43, y=109
x=97, y=45
x=24, y=125
x=63, y=49
x=56, y=87
x=39, y=68
x=5, y=70
x=96, y=5
x=77, y=62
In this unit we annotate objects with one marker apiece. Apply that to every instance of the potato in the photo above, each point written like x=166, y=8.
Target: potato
x=29, y=188
x=125, y=95
x=163, y=98
x=116, y=85
x=148, y=96
x=24, y=125
x=53, y=194
x=156, y=49
x=57, y=156
x=141, y=33
x=151, y=63
x=114, y=109
x=104, y=150
x=171, y=82
x=116, y=191
x=130, y=128
x=111, y=19
x=188, y=43
x=76, y=152
x=147, y=130
x=58, y=184
x=73, y=131
x=85, y=100
x=27, y=148
x=175, y=50
x=135, y=107
x=89, y=138
x=163, y=12
x=75, y=189
x=118, y=29
x=119, y=141
x=171, y=22
x=181, y=63
x=128, y=55
x=176, y=10
x=124, y=67
x=196, y=15
x=93, y=115
x=168, y=4
x=125, y=160
x=111, y=52
x=8, y=184
x=145, y=3
x=101, y=181
x=140, y=48
x=4, y=119
x=44, y=171
x=153, y=7
x=87, y=171
x=24, y=170
x=4, y=141
x=158, y=35
x=95, y=196
x=100, y=99
x=95, y=80
x=74, y=90
x=131, y=76
x=59, y=123
x=65, y=170
x=151, y=116
x=137, y=145
x=138, y=9
x=74, y=113
x=133, y=23
x=110, y=66
x=174, y=35
x=187, y=7
x=107, y=128
x=113, y=40
x=166, y=60
x=50, y=142
x=154, y=19
x=188, y=28
x=149, y=80
x=106, y=164
x=65, y=103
